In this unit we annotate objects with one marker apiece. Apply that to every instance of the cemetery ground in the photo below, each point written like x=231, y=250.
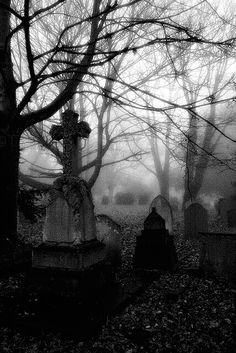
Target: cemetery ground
x=181, y=311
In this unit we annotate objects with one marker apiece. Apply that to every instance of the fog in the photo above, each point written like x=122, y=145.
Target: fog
x=162, y=116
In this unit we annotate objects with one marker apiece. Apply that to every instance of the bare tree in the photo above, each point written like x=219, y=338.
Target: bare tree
x=86, y=56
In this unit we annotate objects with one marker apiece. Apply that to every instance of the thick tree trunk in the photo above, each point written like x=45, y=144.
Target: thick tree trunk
x=9, y=160
x=9, y=137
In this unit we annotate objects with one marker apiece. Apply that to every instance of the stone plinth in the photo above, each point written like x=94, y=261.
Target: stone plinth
x=218, y=254
x=68, y=257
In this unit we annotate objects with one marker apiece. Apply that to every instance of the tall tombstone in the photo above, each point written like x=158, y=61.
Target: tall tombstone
x=78, y=208
x=70, y=219
x=195, y=221
x=163, y=208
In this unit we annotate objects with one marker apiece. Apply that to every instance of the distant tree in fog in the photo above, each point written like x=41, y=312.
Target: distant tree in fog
x=205, y=127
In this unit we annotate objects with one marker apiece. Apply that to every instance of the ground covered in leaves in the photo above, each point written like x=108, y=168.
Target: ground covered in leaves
x=178, y=312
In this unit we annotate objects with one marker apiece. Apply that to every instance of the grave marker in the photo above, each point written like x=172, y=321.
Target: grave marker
x=226, y=211
x=163, y=208
x=70, y=220
x=155, y=248
x=231, y=218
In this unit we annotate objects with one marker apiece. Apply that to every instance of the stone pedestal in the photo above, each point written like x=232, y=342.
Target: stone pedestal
x=218, y=255
x=68, y=257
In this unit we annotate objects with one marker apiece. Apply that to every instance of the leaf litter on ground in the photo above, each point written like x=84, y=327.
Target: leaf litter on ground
x=176, y=313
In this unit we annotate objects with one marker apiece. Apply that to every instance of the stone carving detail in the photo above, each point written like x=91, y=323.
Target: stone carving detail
x=69, y=131
x=78, y=196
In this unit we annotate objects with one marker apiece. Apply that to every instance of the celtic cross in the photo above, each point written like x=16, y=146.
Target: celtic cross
x=70, y=130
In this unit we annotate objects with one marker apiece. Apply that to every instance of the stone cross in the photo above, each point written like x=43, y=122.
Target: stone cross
x=70, y=130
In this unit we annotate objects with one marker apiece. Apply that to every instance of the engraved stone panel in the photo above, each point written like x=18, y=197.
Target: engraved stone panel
x=59, y=224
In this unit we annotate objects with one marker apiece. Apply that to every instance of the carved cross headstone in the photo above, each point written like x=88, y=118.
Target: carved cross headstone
x=69, y=236
x=70, y=131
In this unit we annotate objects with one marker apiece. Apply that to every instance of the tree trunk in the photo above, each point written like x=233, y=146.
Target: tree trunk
x=9, y=137
x=9, y=161
x=164, y=185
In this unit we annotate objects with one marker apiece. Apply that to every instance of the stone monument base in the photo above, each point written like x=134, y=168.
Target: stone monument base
x=68, y=257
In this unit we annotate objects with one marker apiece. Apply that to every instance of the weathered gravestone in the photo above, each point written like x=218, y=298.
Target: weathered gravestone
x=218, y=255
x=109, y=233
x=155, y=248
x=226, y=211
x=195, y=221
x=163, y=208
x=231, y=215
x=69, y=236
x=59, y=225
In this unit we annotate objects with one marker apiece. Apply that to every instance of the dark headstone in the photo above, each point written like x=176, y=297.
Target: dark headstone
x=154, y=221
x=163, y=208
x=224, y=206
x=155, y=247
x=195, y=221
x=231, y=217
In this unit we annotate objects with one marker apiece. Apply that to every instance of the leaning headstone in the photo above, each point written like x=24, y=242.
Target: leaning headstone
x=155, y=248
x=218, y=255
x=195, y=221
x=163, y=208
x=109, y=233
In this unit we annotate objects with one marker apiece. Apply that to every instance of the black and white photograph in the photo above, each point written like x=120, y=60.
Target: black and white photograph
x=118, y=176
